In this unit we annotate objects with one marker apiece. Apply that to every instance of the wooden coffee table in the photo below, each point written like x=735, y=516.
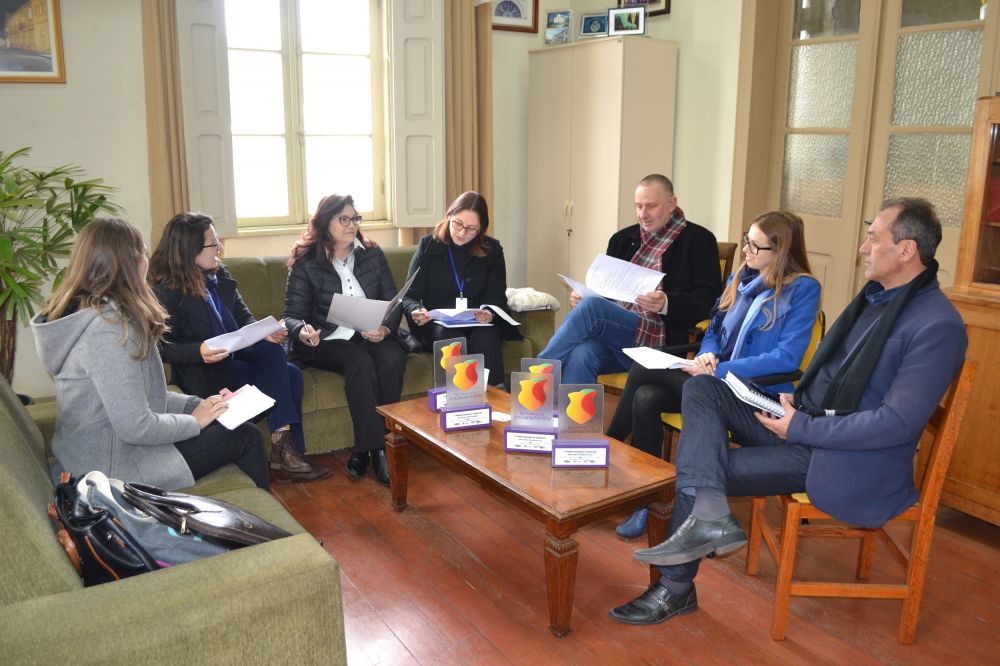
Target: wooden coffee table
x=562, y=499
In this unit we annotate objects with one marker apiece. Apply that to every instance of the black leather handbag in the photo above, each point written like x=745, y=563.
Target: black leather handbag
x=98, y=545
x=215, y=520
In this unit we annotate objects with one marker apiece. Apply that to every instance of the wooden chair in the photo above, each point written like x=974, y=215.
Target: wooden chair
x=944, y=427
x=614, y=383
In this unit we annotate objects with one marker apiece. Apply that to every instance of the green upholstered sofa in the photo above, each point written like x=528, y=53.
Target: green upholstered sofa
x=326, y=419
x=278, y=602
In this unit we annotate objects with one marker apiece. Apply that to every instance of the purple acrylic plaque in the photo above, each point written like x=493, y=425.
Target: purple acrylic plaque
x=469, y=417
x=586, y=453
x=437, y=398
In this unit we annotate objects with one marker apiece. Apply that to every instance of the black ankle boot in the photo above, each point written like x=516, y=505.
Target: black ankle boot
x=357, y=464
x=380, y=466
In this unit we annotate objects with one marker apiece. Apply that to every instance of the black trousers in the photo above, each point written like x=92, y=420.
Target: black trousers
x=373, y=375
x=216, y=446
x=647, y=393
x=485, y=340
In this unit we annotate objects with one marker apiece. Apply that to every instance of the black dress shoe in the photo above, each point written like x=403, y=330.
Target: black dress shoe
x=357, y=464
x=655, y=605
x=380, y=466
x=695, y=539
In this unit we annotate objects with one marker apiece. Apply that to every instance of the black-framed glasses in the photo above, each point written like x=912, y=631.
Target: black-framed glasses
x=753, y=247
x=348, y=220
x=457, y=225
x=217, y=244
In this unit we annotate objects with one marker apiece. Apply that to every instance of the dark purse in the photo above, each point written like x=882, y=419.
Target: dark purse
x=98, y=545
x=215, y=520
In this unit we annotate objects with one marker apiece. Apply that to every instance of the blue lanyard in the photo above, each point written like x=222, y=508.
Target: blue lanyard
x=459, y=283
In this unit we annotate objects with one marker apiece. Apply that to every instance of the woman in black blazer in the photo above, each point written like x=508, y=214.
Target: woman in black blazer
x=202, y=301
x=460, y=266
x=332, y=257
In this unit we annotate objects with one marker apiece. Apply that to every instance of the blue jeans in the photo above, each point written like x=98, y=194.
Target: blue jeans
x=764, y=464
x=591, y=339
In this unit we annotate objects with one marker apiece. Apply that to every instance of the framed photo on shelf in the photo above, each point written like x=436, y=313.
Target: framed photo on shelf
x=559, y=26
x=653, y=7
x=515, y=15
x=594, y=25
x=31, y=46
x=627, y=21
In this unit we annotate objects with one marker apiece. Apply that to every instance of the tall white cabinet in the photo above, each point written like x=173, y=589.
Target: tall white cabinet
x=600, y=117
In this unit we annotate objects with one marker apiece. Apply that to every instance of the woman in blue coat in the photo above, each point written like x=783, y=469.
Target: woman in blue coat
x=761, y=325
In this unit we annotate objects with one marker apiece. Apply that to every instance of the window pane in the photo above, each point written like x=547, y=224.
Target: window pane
x=812, y=174
x=937, y=74
x=254, y=24
x=926, y=12
x=261, y=176
x=821, y=85
x=932, y=166
x=341, y=165
x=338, y=94
x=335, y=26
x=824, y=18
x=256, y=95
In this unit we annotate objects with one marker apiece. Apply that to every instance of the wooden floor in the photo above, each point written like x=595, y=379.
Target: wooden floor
x=458, y=578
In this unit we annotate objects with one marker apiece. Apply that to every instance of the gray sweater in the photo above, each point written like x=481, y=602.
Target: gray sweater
x=115, y=413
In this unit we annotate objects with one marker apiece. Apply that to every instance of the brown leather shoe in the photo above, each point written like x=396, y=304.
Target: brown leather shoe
x=315, y=473
x=284, y=456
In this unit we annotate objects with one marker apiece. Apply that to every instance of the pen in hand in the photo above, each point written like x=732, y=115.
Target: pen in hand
x=307, y=335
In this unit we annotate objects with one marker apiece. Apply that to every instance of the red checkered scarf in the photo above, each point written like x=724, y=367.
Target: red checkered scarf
x=651, y=332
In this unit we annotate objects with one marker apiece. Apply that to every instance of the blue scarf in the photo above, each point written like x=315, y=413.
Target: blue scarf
x=750, y=286
x=222, y=319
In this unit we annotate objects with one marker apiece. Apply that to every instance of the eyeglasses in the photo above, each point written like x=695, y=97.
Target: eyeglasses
x=348, y=220
x=464, y=228
x=753, y=247
x=217, y=244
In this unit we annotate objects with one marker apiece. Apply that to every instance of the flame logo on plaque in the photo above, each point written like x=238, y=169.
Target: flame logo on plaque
x=541, y=369
x=454, y=349
x=465, y=374
x=532, y=394
x=581, y=407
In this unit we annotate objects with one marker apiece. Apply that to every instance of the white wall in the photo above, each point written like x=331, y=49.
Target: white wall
x=708, y=33
x=97, y=119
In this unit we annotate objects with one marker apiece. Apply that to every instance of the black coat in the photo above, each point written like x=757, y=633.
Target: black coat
x=313, y=281
x=485, y=280
x=190, y=322
x=693, y=278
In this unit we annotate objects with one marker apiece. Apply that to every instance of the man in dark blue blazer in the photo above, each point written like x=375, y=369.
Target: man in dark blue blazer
x=849, y=432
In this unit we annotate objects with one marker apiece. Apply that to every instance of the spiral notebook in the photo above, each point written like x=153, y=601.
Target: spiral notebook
x=754, y=397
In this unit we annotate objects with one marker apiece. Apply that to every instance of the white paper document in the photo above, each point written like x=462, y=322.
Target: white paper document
x=753, y=397
x=246, y=336
x=654, y=359
x=455, y=318
x=364, y=314
x=244, y=404
x=616, y=279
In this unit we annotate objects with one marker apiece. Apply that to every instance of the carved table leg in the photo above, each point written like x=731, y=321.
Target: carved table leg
x=397, y=453
x=656, y=528
x=560, y=578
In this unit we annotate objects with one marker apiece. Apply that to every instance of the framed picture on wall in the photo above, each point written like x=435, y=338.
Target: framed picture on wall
x=559, y=26
x=653, y=7
x=31, y=42
x=594, y=25
x=515, y=15
x=627, y=21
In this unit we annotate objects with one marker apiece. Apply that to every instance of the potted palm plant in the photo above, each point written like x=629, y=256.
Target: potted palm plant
x=41, y=211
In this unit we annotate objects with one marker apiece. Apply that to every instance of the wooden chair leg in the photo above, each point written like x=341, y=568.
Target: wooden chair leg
x=866, y=555
x=916, y=573
x=786, y=566
x=753, y=544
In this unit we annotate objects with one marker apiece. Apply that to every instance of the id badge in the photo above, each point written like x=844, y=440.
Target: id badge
x=461, y=304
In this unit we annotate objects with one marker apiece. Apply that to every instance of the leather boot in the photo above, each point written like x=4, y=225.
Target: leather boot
x=380, y=466
x=292, y=467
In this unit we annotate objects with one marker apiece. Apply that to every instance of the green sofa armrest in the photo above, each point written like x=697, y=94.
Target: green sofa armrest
x=278, y=602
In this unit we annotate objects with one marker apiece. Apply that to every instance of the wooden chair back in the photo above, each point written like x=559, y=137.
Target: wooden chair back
x=943, y=427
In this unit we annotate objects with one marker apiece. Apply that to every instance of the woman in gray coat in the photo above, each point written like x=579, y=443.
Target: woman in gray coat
x=97, y=337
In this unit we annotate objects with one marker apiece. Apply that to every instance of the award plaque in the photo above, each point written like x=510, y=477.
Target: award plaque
x=465, y=382
x=581, y=441
x=437, y=397
x=546, y=366
x=530, y=428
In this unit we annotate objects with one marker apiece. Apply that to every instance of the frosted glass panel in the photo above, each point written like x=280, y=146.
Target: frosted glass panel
x=936, y=77
x=256, y=93
x=253, y=24
x=338, y=94
x=342, y=165
x=335, y=26
x=821, y=85
x=927, y=12
x=260, y=176
x=932, y=166
x=824, y=18
x=812, y=174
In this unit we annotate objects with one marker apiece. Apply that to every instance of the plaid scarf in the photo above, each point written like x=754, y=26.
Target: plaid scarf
x=651, y=332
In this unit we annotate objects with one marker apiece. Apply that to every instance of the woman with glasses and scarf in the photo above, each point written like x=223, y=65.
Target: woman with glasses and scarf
x=332, y=257
x=761, y=325
x=461, y=267
x=202, y=301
